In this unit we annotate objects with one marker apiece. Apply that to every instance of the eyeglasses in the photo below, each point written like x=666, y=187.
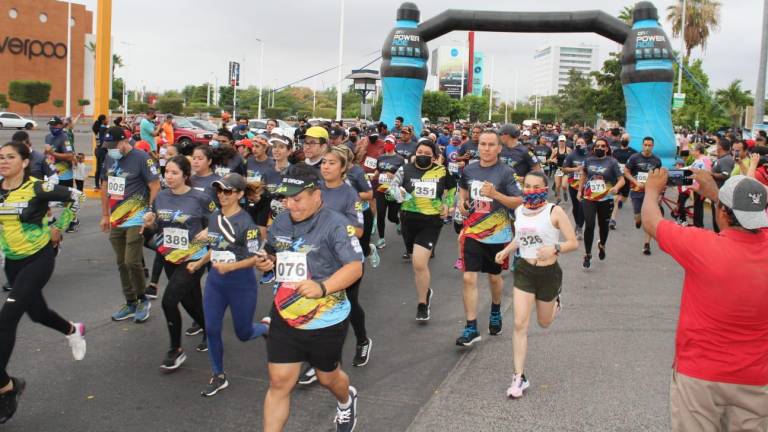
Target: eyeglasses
x=225, y=192
x=311, y=142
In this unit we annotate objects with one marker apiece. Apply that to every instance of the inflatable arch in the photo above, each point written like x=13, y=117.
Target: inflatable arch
x=646, y=73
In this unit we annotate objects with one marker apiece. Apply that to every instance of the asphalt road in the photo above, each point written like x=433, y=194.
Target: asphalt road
x=83, y=139
x=604, y=365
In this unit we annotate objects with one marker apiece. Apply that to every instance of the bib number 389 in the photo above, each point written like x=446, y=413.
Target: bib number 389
x=176, y=238
x=291, y=267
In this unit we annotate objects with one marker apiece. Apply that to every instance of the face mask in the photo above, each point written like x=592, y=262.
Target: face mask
x=214, y=144
x=56, y=131
x=423, y=161
x=243, y=127
x=581, y=150
x=624, y=143
x=599, y=152
x=353, y=139
x=535, y=199
x=389, y=147
x=115, y=154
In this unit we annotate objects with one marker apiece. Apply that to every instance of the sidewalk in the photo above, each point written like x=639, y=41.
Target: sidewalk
x=603, y=365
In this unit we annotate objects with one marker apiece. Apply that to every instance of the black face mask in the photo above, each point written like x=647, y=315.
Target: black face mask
x=353, y=138
x=624, y=143
x=600, y=152
x=581, y=150
x=423, y=161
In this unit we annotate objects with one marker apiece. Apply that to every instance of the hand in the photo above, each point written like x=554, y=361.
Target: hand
x=193, y=266
x=104, y=223
x=263, y=263
x=444, y=211
x=754, y=160
x=639, y=186
x=488, y=190
x=202, y=235
x=223, y=268
x=149, y=219
x=309, y=289
x=463, y=208
x=546, y=252
x=460, y=164
x=657, y=180
x=705, y=184
x=614, y=190
x=501, y=256
x=578, y=196
x=55, y=236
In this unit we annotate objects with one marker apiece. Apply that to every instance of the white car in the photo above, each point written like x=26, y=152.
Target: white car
x=11, y=120
x=258, y=126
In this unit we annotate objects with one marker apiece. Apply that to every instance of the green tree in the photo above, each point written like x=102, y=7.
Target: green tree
x=83, y=102
x=135, y=106
x=733, y=100
x=114, y=104
x=58, y=103
x=117, y=62
x=626, y=14
x=3, y=101
x=701, y=18
x=170, y=105
x=699, y=106
x=31, y=93
x=609, y=94
x=117, y=88
x=476, y=107
x=436, y=104
x=576, y=102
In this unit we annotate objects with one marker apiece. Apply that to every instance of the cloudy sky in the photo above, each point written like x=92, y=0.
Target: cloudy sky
x=168, y=44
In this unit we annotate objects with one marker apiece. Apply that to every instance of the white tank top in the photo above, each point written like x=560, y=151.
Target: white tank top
x=534, y=231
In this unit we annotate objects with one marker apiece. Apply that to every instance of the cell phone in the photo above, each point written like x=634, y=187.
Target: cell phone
x=679, y=177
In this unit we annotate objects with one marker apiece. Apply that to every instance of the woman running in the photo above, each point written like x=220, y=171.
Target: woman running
x=178, y=215
x=29, y=244
x=538, y=277
x=558, y=159
x=356, y=178
x=572, y=168
x=386, y=208
x=426, y=192
x=233, y=242
x=202, y=171
x=602, y=179
x=226, y=158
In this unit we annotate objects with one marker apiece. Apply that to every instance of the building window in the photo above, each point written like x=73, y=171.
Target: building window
x=72, y=22
x=13, y=13
x=43, y=17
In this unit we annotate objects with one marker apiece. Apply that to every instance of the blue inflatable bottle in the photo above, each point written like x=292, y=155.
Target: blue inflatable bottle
x=646, y=77
x=404, y=70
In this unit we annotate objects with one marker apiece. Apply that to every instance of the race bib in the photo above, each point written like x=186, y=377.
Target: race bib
x=474, y=191
x=559, y=173
x=176, y=238
x=453, y=167
x=542, y=159
x=577, y=175
x=621, y=168
x=642, y=177
x=291, y=267
x=222, y=171
x=276, y=206
x=370, y=162
x=223, y=257
x=383, y=179
x=116, y=186
x=597, y=186
x=529, y=241
x=422, y=189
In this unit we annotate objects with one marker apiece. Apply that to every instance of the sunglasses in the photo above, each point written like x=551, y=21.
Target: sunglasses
x=225, y=192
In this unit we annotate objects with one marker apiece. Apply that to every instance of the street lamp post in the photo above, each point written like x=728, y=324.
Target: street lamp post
x=364, y=81
x=69, y=60
x=261, y=73
x=341, y=51
x=760, y=94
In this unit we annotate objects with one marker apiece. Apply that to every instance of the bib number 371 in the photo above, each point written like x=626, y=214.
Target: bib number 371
x=291, y=267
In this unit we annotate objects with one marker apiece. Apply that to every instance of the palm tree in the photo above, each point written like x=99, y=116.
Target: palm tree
x=626, y=14
x=117, y=61
x=701, y=17
x=734, y=99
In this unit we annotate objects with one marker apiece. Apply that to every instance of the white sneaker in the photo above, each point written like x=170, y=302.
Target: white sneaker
x=77, y=341
x=519, y=384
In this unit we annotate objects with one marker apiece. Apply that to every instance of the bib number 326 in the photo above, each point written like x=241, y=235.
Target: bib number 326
x=291, y=267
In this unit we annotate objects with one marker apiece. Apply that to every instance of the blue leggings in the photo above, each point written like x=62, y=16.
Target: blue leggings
x=236, y=290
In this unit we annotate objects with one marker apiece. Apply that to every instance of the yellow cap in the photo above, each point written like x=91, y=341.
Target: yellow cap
x=317, y=132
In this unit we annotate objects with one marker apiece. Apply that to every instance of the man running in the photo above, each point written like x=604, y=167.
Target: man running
x=488, y=191
x=515, y=154
x=621, y=154
x=636, y=172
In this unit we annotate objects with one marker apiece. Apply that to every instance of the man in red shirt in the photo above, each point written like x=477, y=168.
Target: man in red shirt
x=720, y=372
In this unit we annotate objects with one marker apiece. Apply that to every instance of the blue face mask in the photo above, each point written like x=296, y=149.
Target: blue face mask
x=115, y=154
x=243, y=127
x=56, y=131
x=214, y=144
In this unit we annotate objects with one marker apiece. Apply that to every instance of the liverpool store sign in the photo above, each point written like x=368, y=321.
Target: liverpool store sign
x=32, y=48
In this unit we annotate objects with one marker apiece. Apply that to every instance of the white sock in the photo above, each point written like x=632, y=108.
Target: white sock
x=347, y=404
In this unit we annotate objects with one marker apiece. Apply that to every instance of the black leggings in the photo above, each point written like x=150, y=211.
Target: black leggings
x=365, y=240
x=577, y=210
x=602, y=210
x=357, y=315
x=183, y=287
x=698, y=211
x=157, y=268
x=27, y=276
x=385, y=210
x=101, y=153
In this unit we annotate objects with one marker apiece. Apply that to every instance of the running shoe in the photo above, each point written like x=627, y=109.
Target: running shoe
x=7, y=287
x=308, y=376
x=565, y=197
x=374, y=257
x=579, y=233
x=9, y=401
x=373, y=229
x=647, y=249
x=216, y=384
x=173, y=359
x=146, y=273
x=469, y=336
x=406, y=256
x=423, y=309
x=621, y=204
x=194, y=330
x=203, y=345
x=267, y=278
x=142, y=311
x=381, y=243
x=362, y=354
x=77, y=341
x=519, y=384
x=346, y=418
x=587, y=264
x=151, y=291
x=72, y=226
x=638, y=224
x=600, y=251
x=126, y=311
x=494, y=324
x=459, y=264
x=612, y=224
x=559, y=307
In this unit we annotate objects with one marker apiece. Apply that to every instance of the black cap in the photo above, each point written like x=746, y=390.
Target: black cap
x=509, y=129
x=337, y=133
x=231, y=181
x=114, y=135
x=55, y=120
x=299, y=178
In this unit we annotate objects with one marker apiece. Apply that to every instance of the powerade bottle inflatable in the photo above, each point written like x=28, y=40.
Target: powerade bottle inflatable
x=646, y=77
x=404, y=69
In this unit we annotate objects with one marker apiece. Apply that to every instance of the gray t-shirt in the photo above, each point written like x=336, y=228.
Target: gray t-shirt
x=723, y=165
x=406, y=149
x=236, y=234
x=262, y=171
x=519, y=158
x=488, y=221
x=61, y=144
x=344, y=200
x=127, y=186
x=205, y=184
x=38, y=166
x=184, y=215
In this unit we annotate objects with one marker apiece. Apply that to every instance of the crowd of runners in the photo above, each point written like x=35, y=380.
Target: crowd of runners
x=306, y=215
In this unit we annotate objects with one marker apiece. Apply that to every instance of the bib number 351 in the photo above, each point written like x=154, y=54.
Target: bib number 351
x=291, y=267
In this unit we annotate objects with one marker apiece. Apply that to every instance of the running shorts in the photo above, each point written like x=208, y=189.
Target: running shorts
x=543, y=281
x=321, y=348
x=420, y=229
x=637, y=201
x=481, y=257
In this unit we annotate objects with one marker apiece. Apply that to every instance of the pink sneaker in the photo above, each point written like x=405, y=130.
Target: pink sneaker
x=459, y=264
x=519, y=384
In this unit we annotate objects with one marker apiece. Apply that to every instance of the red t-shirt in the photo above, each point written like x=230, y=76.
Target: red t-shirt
x=372, y=152
x=722, y=333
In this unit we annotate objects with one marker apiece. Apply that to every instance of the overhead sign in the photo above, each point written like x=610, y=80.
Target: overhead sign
x=450, y=60
x=678, y=100
x=33, y=48
x=234, y=74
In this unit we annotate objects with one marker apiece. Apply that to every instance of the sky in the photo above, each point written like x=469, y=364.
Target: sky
x=172, y=43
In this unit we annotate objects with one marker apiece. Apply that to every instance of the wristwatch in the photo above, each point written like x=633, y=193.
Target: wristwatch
x=557, y=248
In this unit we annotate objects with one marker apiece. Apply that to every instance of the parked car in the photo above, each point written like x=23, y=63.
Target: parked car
x=13, y=120
x=204, y=124
x=187, y=135
x=258, y=126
